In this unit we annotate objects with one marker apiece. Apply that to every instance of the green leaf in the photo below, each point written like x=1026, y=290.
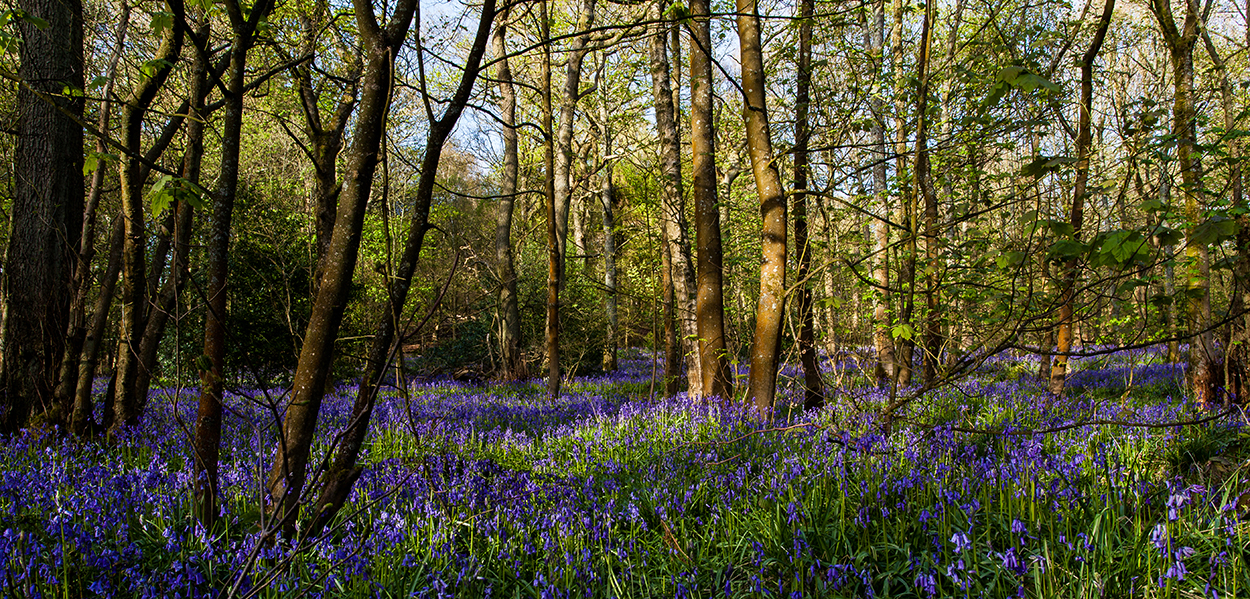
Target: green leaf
x=1008, y=260
x=1168, y=236
x=1119, y=247
x=161, y=21
x=1214, y=230
x=151, y=67
x=98, y=82
x=9, y=43
x=1045, y=164
x=1066, y=249
x=902, y=331
x=160, y=196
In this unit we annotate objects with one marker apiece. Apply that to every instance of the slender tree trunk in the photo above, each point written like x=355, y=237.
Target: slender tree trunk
x=289, y=470
x=212, y=373
x=302, y=418
x=607, y=201
x=192, y=160
x=906, y=211
x=564, y=136
x=932, y=340
x=1237, y=354
x=1084, y=145
x=126, y=402
x=886, y=368
x=710, y=305
x=76, y=334
x=555, y=250
x=46, y=211
x=82, y=419
x=513, y=367
x=813, y=385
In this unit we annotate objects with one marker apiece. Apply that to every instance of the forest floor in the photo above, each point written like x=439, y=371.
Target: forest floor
x=983, y=489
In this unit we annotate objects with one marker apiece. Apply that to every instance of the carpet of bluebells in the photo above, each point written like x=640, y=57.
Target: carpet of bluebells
x=611, y=491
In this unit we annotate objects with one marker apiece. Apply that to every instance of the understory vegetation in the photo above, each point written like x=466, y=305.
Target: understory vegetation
x=982, y=489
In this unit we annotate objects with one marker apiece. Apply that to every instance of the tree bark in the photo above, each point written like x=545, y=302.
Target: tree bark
x=679, y=272
x=513, y=365
x=1084, y=145
x=46, y=212
x=82, y=417
x=1237, y=354
x=1203, y=355
x=166, y=303
x=607, y=201
x=555, y=256
x=886, y=367
x=710, y=304
x=212, y=373
x=906, y=210
x=76, y=334
x=301, y=417
x=813, y=385
x=126, y=402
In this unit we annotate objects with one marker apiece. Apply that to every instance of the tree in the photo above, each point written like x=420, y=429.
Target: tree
x=243, y=28
x=770, y=314
x=813, y=386
x=1180, y=41
x=710, y=306
x=679, y=275
x=47, y=208
x=513, y=365
x=1080, y=189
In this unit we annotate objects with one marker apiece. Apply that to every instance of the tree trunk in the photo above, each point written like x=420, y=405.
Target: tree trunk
x=555, y=252
x=932, y=340
x=82, y=418
x=607, y=201
x=906, y=211
x=1084, y=144
x=167, y=302
x=302, y=417
x=813, y=386
x=46, y=212
x=513, y=367
x=679, y=272
x=1180, y=41
x=212, y=373
x=126, y=402
x=76, y=333
x=710, y=305
x=885, y=369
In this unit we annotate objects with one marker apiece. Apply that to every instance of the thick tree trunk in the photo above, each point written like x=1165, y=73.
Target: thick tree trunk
x=1203, y=354
x=47, y=211
x=513, y=367
x=710, y=304
x=126, y=402
x=302, y=418
x=679, y=271
x=1084, y=146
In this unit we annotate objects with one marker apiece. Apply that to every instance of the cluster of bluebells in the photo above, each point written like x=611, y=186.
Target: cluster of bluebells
x=612, y=492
